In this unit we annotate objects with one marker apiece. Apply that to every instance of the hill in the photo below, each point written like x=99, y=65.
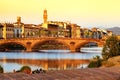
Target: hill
x=116, y=30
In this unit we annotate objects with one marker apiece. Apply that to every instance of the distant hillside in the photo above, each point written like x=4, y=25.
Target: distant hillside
x=116, y=30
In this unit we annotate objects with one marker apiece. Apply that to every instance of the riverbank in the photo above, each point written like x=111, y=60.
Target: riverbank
x=112, y=62
x=112, y=73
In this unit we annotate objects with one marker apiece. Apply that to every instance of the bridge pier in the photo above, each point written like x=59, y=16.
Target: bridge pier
x=72, y=48
x=77, y=49
x=28, y=48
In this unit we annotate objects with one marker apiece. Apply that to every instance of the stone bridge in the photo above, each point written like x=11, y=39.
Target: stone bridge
x=74, y=44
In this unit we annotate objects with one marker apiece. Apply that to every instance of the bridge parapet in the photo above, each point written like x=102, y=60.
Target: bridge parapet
x=50, y=38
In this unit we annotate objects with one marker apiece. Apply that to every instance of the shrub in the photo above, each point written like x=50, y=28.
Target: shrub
x=25, y=69
x=96, y=62
x=1, y=69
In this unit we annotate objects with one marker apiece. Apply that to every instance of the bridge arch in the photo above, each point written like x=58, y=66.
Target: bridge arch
x=80, y=45
x=11, y=45
x=35, y=47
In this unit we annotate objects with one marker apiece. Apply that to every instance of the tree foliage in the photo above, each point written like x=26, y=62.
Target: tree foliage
x=111, y=47
x=1, y=69
x=96, y=62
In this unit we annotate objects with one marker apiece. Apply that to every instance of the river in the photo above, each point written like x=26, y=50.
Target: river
x=48, y=59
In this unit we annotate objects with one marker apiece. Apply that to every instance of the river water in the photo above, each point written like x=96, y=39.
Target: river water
x=48, y=59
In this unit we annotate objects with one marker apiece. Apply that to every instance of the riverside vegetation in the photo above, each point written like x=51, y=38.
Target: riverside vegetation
x=110, y=54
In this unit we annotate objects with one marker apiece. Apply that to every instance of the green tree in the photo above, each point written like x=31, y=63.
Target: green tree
x=1, y=69
x=111, y=48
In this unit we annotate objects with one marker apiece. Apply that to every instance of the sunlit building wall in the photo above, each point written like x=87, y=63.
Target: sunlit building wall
x=78, y=33
x=18, y=30
x=6, y=30
x=1, y=31
x=31, y=30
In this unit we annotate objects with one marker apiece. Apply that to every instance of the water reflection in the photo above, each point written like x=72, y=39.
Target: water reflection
x=48, y=59
x=45, y=64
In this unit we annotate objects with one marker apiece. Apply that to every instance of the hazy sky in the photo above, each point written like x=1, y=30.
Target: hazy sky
x=86, y=13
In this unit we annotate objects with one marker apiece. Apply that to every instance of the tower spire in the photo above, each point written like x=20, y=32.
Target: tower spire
x=45, y=16
x=45, y=23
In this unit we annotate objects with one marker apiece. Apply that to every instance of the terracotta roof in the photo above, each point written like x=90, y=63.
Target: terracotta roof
x=31, y=26
x=28, y=25
x=9, y=25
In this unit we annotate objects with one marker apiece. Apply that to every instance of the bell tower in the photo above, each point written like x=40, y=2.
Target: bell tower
x=45, y=16
x=19, y=19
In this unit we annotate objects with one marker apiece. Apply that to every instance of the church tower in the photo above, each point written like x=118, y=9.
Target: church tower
x=19, y=19
x=45, y=16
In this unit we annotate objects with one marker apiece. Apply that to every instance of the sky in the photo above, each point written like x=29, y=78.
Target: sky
x=86, y=13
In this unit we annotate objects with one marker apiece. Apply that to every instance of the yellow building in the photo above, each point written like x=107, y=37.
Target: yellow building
x=118, y=37
x=6, y=30
x=31, y=30
x=19, y=30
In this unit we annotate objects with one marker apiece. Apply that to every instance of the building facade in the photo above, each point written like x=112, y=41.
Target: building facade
x=49, y=29
x=19, y=30
x=6, y=30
